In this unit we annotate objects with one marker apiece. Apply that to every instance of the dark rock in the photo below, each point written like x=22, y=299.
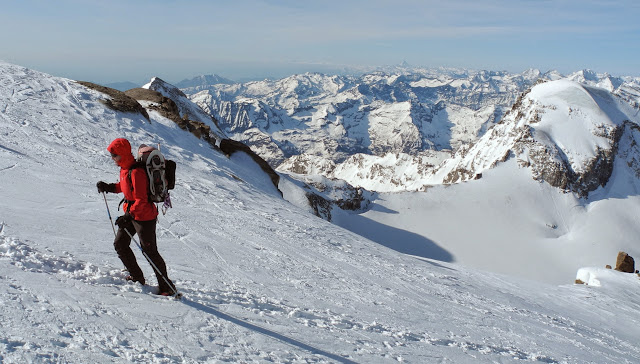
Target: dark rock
x=118, y=100
x=168, y=108
x=163, y=105
x=625, y=263
x=229, y=147
x=321, y=206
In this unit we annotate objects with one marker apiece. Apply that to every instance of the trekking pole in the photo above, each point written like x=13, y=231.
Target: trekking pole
x=109, y=212
x=175, y=291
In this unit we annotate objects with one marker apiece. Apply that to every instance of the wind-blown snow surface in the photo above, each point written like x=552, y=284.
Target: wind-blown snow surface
x=263, y=280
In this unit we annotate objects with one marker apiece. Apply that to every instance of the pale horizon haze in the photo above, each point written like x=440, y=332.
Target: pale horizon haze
x=116, y=41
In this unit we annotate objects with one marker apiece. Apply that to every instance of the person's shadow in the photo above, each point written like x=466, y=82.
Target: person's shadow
x=264, y=331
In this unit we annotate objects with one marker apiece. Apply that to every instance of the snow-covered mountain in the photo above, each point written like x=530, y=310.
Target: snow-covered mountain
x=556, y=181
x=568, y=135
x=338, y=116
x=266, y=281
x=203, y=82
x=360, y=124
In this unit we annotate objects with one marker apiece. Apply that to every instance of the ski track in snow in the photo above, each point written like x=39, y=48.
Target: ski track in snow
x=250, y=311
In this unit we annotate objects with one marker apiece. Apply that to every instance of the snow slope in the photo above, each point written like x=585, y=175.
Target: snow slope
x=263, y=280
x=508, y=223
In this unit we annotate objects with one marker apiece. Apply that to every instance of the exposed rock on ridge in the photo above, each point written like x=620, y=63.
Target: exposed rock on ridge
x=117, y=100
x=187, y=110
x=325, y=196
x=566, y=133
x=229, y=147
x=166, y=107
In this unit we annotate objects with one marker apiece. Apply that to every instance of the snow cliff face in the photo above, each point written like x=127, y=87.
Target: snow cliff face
x=566, y=133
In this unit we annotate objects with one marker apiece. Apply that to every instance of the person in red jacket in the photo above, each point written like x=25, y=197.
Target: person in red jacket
x=139, y=217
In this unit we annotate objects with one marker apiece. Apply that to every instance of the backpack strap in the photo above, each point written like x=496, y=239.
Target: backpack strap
x=138, y=164
x=129, y=203
x=134, y=166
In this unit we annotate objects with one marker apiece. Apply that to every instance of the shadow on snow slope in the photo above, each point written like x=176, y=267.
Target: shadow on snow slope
x=402, y=241
x=288, y=340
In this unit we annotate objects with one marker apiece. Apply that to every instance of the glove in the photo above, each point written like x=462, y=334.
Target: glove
x=124, y=220
x=106, y=187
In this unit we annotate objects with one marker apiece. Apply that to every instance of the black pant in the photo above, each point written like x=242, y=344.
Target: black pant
x=146, y=231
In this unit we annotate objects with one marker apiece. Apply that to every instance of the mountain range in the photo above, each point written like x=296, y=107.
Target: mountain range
x=368, y=130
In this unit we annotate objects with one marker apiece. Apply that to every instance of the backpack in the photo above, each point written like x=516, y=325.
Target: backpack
x=161, y=173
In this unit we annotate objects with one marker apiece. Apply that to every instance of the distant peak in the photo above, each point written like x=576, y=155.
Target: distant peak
x=155, y=81
x=204, y=81
x=589, y=75
x=158, y=84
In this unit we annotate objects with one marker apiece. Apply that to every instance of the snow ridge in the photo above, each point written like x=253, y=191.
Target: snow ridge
x=187, y=109
x=566, y=133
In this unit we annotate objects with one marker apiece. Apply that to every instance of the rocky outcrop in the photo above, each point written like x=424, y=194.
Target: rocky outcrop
x=567, y=134
x=163, y=105
x=326, y=196
x=194, y=118
x=229, y=147
x=118, y=100
x=166, y=107
x=320, y=205
x=548, y=164
x=625, y=263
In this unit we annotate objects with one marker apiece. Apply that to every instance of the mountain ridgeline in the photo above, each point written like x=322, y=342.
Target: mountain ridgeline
x=568, y=134
x=408, y=129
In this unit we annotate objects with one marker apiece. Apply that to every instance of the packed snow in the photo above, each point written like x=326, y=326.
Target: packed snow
x=263, y=280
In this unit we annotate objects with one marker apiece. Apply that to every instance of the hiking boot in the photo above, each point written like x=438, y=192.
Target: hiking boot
x=165, y=290
x=176, y=295
x=139, y=280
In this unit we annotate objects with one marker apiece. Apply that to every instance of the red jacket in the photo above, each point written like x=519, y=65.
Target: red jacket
x=137, y=202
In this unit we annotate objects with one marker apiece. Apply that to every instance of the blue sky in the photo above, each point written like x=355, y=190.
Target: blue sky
x=134, y=40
